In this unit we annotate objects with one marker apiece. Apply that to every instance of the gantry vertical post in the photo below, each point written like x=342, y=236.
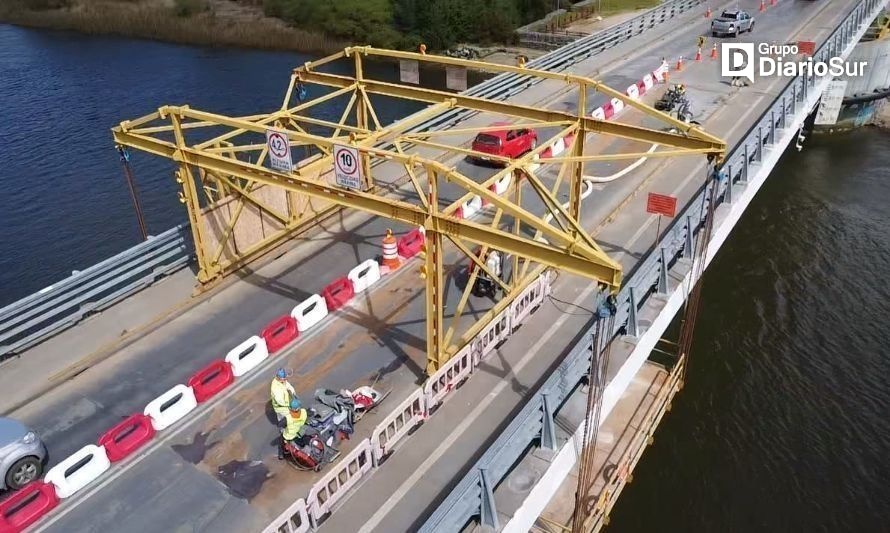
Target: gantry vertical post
x=517, y=199
x=189, y=197
x=577, y=183
x=361, y=117
x=435, y=295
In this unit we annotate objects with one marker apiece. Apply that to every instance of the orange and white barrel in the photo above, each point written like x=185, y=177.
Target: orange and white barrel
x=390, y=251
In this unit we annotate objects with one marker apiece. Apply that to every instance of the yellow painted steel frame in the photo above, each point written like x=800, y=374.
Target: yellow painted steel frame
x=559, y=241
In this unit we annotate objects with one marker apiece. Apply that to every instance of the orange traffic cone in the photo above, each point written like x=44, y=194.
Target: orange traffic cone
x=698, y=54
x=762, y=6
x=708, y=13
x=390, y=251
x=714, y=51
x=680, y=63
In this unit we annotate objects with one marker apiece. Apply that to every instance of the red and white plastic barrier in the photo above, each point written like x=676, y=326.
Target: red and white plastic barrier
x=648, y=81
x=364, y=275
x=598, y=114
x=211, y=380
x=170, y=407
x=448, y=378
x=470, y=207
x=410, y=244
x=334, y=485
x=125, y=438
x=617, y=105
x=397, y=425
x=310, y=312
x=338, y=293
x=633, y=91
x=281, y=332
x=78, y=470
x=27, y=506
x=247, y=355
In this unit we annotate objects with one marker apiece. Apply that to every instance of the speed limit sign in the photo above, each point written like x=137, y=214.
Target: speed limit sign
x=348, y=167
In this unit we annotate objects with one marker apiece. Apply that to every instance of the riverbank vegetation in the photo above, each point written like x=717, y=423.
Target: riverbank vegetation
x=210, y=22
x=305, y=25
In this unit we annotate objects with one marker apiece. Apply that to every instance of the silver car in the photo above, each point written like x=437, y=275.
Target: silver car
x=732, y=22
x=22, y=454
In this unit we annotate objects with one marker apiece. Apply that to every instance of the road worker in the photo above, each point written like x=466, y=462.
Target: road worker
x=294, y=420
x=282, y=393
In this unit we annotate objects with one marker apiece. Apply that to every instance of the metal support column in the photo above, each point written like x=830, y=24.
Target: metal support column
x=435, y=290
x=488, y=512
x=189, y=197
x=577, y=184
x=688, y=251
x=663, y=274
x=361, y=119
x=633, y=326
x=746, y=165
x=548, y=428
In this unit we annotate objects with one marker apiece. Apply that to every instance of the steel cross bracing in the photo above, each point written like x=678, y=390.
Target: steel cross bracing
x=221, y=163
x=469, y=501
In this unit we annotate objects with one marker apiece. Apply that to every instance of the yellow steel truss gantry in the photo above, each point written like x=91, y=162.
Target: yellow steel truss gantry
x=221, y=160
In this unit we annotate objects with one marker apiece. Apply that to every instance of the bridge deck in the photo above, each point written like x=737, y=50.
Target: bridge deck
x=218, y=469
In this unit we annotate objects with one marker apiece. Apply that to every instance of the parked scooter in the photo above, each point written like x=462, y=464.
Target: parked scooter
x=331, y=419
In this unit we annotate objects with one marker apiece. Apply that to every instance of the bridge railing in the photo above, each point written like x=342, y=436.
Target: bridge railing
x=472, y=496
x=504, y=86
x=63, y=304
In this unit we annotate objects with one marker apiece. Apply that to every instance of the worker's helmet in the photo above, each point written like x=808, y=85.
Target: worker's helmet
x=281, y=374
x=681, y=87
x=295, y=404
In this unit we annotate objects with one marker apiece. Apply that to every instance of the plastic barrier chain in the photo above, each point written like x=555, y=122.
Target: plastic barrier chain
x=247, y=355
x=364, y=275
x=598, y=114
x=408, y=415
x=617, y=105
x=78, y=470
x=125, y=438
x=338, y=293
x=212, y=379
x=27, y=506
x=168, y=408
x=295, y=519
x=648, y=81
x=335, y=484
x=470, y=207
x=281, y=332
x=449, y=377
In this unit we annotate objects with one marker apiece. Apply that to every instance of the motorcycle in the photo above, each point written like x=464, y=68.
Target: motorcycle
x=331, y=419
x=670, y=99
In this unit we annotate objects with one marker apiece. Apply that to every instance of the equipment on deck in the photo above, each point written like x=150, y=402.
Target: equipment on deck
x=331, y=419
x=671, y=98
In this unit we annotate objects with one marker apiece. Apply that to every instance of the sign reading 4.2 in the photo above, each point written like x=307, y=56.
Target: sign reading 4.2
x=348, y=167
x=278, y=146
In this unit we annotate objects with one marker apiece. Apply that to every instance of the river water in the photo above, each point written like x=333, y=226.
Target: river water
x=783, y=424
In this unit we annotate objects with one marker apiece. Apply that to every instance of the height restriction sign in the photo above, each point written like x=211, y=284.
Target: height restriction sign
x=279, y=150
x=348, y=167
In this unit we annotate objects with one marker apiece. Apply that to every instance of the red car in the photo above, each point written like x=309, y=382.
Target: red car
x=505, y=143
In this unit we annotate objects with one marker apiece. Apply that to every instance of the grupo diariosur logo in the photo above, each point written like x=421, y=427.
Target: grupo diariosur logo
x=739, y=59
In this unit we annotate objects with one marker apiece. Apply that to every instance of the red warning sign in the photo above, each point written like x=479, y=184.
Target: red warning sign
x=661, y=204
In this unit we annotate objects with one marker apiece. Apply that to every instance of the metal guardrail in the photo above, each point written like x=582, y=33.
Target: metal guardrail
x=504, y=86
x=63, y=304
x=472, y=496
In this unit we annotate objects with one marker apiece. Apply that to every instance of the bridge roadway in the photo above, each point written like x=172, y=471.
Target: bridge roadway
x=217, y=470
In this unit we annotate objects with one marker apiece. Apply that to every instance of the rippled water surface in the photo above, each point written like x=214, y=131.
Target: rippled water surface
x=784, y=424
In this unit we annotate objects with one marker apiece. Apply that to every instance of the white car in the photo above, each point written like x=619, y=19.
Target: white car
x=732, y=22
